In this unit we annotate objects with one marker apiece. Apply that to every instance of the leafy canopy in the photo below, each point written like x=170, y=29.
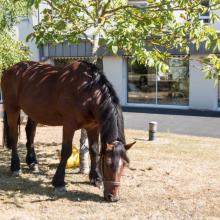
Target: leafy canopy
x=11, y=50
x=148, y=33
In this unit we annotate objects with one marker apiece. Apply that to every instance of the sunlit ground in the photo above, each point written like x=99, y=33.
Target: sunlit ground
x=174, y=177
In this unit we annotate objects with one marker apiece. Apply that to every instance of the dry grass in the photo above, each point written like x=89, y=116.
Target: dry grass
x=175, y=177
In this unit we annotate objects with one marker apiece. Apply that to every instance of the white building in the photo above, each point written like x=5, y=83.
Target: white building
x=137, y=85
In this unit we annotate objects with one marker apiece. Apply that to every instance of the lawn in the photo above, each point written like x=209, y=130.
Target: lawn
x=174, y=177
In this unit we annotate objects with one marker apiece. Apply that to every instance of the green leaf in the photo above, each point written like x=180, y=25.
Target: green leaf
x=115, y=49
x=150, y=62
x=164, y=68
x=30, y=3
x=37, y=3
x=29, y=37
x=207, y=44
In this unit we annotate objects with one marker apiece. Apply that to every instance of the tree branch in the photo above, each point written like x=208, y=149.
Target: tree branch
x=105, y=7
x=87, y=38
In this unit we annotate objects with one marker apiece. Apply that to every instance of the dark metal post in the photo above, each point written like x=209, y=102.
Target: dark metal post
x=152, y=130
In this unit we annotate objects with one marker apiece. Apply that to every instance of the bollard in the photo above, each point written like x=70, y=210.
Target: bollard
x=152, y=130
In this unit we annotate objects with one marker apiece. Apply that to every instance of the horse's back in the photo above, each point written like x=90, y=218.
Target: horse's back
x=48, y=94
x=12, y=76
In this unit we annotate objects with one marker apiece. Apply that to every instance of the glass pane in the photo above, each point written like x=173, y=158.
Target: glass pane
x=141, y=84
x=173, y=87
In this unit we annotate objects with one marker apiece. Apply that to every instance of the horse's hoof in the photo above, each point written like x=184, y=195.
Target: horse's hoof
x=96, y=182
x=16, y=173
x=34, y=168
x=60, y=190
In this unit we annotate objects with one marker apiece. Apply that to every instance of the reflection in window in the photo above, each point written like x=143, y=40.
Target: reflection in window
x=172, y=88
x=141, y=84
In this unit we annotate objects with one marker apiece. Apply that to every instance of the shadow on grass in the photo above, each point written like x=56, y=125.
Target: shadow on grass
x=38, y=187
x=37, y=184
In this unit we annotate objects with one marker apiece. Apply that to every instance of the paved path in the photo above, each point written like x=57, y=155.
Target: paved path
x=179, y=124
x=174, y=123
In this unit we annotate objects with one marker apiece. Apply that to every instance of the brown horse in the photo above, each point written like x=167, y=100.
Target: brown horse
x=75, y=96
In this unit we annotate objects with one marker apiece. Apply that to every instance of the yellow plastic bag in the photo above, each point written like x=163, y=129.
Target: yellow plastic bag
x=73, y=160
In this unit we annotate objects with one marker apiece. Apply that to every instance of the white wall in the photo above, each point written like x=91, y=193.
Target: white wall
x=203, y=94
x=114, y=68
x=22, y=30
x=25, y=27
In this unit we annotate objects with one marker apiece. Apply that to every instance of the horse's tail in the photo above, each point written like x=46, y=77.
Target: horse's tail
x=6, y=140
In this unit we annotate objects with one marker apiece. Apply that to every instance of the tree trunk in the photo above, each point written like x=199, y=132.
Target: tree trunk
x=84, y=148
x=84, y=152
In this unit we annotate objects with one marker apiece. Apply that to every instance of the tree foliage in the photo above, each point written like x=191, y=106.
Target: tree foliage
x=11, y=50
x=147, y=33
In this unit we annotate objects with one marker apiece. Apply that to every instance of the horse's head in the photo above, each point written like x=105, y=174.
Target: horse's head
x=112, y=162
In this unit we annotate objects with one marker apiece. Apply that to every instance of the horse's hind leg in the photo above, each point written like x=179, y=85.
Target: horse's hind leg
x=31, y=159
x=12, y=121
x=94, y=175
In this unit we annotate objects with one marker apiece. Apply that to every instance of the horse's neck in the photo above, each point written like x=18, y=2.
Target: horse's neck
x=112, y=127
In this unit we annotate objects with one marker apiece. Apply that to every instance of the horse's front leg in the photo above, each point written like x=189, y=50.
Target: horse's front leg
x=58, y=179
x=94, y=175
x=31, y=159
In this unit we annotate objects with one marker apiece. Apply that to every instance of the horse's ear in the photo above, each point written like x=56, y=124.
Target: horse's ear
x=128, y=146
x=109, y=147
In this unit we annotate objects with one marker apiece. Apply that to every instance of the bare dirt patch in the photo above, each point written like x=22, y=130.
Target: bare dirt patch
x=174, y=177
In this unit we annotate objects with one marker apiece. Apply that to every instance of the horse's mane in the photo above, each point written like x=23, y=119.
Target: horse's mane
x=99, y=77
x=112, y=127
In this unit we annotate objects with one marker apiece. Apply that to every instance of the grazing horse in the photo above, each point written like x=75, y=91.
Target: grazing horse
x=75, y=96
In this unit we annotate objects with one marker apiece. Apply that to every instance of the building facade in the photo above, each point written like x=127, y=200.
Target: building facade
x=185, y=87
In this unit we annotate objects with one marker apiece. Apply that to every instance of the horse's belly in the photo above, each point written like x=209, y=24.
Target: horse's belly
x=43, y=115
x=40, y=104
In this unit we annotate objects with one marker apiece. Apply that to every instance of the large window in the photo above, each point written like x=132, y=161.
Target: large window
x=147, y=86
